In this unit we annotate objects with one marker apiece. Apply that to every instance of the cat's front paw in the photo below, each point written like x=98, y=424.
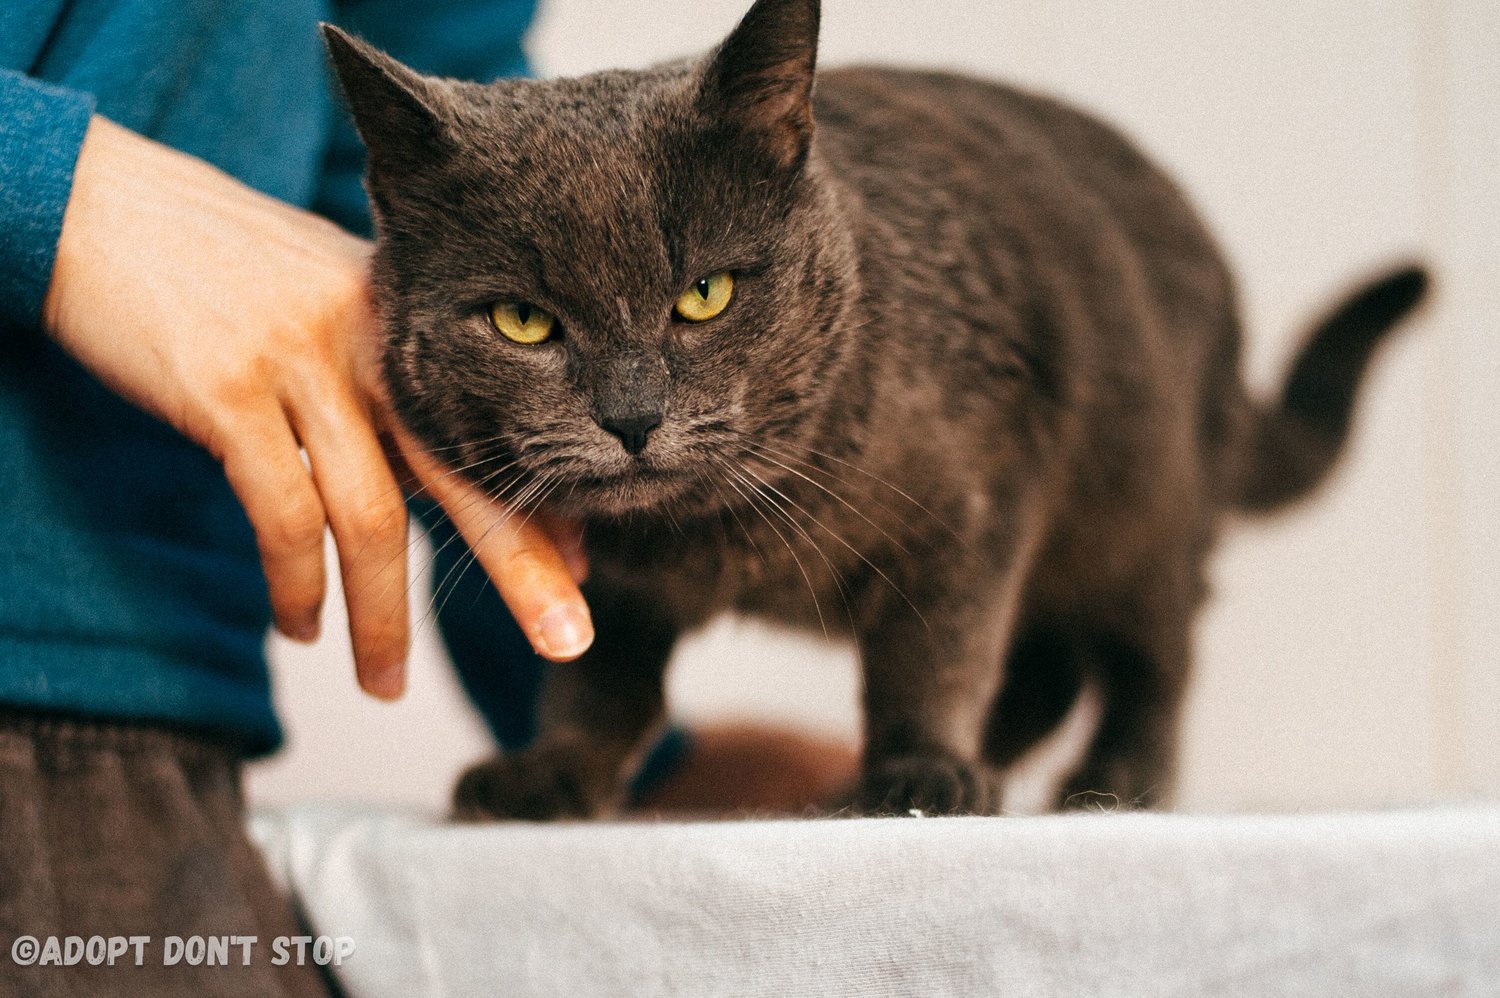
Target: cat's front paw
x=930, y=783
x=536, y=784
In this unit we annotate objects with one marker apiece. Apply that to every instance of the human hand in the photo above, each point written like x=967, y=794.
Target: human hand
x=246, y=324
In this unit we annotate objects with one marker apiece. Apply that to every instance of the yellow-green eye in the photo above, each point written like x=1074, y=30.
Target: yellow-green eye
x=707, y=297
x=523, y=323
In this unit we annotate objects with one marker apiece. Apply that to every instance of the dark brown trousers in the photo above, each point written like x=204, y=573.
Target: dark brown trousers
x=119, y=831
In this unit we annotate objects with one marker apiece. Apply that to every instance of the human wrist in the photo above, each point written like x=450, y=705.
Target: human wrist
x=115, y=170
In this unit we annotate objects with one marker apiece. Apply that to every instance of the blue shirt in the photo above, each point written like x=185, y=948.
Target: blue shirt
x=130, y=585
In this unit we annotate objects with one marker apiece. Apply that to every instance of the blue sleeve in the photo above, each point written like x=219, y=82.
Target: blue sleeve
x=41, y=131
x=466, y=39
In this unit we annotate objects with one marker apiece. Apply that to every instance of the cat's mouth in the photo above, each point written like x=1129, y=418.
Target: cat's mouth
x=640, y=488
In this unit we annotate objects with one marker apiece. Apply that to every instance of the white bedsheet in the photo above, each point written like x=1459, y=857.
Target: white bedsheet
x=1383, y=904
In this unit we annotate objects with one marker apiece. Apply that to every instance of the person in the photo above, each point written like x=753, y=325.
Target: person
x=189, y=399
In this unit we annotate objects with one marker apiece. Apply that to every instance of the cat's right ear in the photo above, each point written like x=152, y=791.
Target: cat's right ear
x=397, y=111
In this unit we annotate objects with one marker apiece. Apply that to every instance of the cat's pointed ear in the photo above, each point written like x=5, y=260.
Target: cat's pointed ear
x=397, y=111
x=761, y=78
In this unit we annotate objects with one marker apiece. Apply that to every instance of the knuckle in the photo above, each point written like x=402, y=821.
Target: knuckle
x=524, y=561
x=348, y=289
x=303, y=349
x=296, y=525
x=342, y=293
x=241, y=383
x=380, y=521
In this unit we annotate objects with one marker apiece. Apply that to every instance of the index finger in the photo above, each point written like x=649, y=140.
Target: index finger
x=532, y=576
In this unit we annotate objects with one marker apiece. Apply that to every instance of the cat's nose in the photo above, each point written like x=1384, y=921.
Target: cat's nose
x=632, y=429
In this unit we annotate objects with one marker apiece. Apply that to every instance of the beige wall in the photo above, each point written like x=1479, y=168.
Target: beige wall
x=1349, y=657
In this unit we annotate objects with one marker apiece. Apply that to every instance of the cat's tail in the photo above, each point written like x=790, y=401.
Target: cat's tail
x=1295, y=442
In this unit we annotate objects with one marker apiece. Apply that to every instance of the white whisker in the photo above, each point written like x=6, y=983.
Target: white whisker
x=819, y=485
x=881, y=481
x=817, y=607
x=836, y=536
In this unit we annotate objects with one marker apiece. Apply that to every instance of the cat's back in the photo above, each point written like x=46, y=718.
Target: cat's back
x=991, y=221
x=925, y=146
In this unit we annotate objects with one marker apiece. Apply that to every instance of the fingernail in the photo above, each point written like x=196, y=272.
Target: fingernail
x=565, y=631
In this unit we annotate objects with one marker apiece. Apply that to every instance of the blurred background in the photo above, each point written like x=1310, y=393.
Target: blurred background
x=1351, y=653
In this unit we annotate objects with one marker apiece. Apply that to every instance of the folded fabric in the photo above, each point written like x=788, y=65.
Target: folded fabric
x=1382, y=904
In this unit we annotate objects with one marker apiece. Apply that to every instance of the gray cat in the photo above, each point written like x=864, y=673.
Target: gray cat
x=919, y=359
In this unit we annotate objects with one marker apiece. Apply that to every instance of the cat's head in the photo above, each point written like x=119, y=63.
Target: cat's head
x=599, y=291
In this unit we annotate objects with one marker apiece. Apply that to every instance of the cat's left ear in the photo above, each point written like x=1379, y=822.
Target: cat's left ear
x=761, y=79
x=397, y=111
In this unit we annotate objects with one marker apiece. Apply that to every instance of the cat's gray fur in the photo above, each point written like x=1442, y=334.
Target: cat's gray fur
x=976, y=402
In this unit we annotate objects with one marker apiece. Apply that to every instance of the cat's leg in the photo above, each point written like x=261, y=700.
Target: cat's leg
x=1130, y=760
x=932, y=668
x=1044, y=675
x=597, y=718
